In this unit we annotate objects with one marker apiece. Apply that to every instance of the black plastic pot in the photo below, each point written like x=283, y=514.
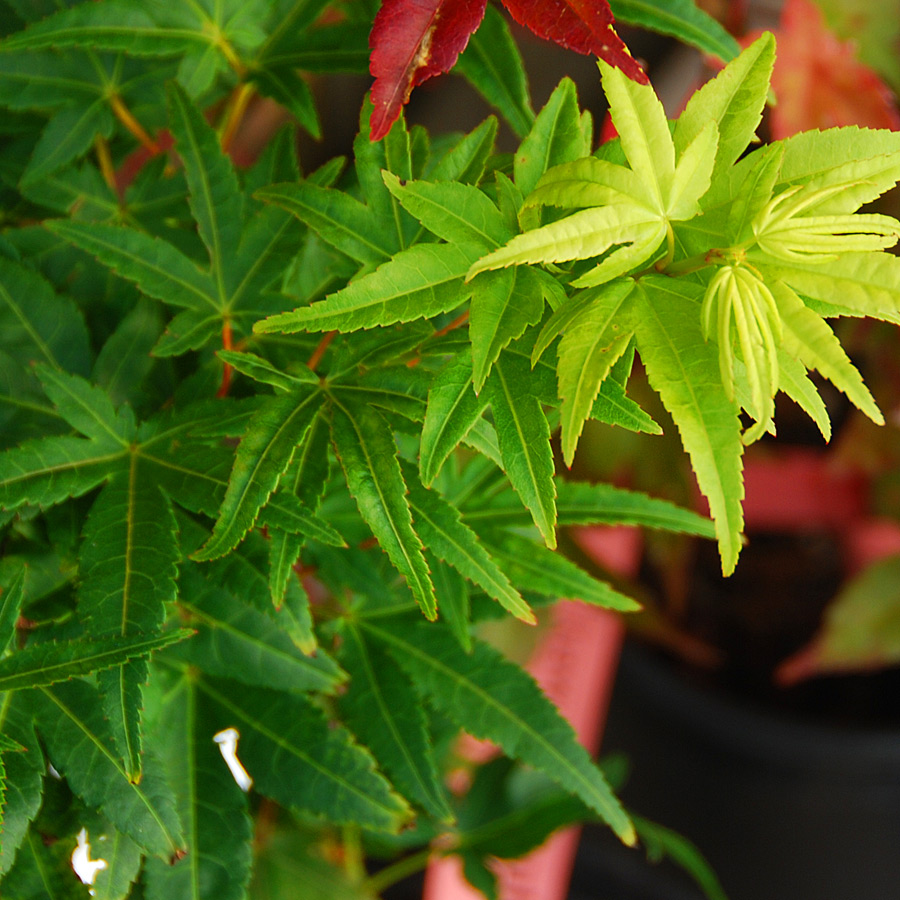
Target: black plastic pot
x=783, y=809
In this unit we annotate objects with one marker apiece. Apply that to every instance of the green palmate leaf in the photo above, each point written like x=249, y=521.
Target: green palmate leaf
x=682, y=368
x=734, y=100
x=496, y=700
x=286, y=512
x=155, y=266
x=215, y=198
x=46, y=472
x=809, y=338
x=24, y=777
x=338, y=218
x=795, y=383
x=288, y=88
x=492, y=63
x=541, y=571
x=127, y=569
x=52, y=662
x=365, y=446
x=10, y=603
x=71, y=721
x=453, y=408
x=641, y=123
x=453, y=599
x=455, y=212
x=681, y=19
x=214, y=808
x=37, y=325
x=235, y=640
x=88, y=408
x=116, y=25
x=593, y=341
x=381, y=707
x=189, y=330
x=42, y=871
x=262, y=457
x=465, y=161
x=524, y=437
x=556, y=137
x=451, y=540
x=262, y=370
x=296, y=757
x=503, y=305
x=417, y=283
x=864, y=284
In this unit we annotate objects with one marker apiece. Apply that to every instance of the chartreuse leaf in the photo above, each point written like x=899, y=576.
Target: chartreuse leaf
x=10, y=603
x=683, y=368
x=537, y=569
x=365, y=446
x=809, y=338
x=417, y=283
x=236, y=640
x=127, y=569
x=218, y=829
x=453, y=408
x=495, y=700
x=262, y=457
x=154, y=265
x=734, y=100
x=24, y=775
x=299, y=758
x=681, y=19
x=593, y=341
x=381, y=707
x=215, y=198
x=71, y=721
x=524, y=437
x=794, y=382
x=503, y=305
x=450, y=539
x=52, y=662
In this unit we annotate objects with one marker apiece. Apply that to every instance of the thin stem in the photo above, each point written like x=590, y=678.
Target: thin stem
x=235, y=110
x=226, y=371
x=104, y=159
x=666, y=261
x=353, y=855
x=319, y=352
x=125, y=116
x=397, y=871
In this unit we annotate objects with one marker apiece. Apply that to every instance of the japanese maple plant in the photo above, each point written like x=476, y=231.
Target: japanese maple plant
x=277, y=442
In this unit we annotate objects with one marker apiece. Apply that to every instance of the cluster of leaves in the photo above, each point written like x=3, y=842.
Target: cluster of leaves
x=188, y=469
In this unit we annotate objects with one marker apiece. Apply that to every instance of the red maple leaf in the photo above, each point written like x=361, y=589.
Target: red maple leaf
x=412, y=40
x=819, y=80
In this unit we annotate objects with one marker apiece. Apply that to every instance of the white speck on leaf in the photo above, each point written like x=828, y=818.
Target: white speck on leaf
x=227, y=741
x=85, y=867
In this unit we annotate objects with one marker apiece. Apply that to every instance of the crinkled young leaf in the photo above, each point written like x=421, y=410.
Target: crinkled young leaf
x=298, y=758
x=417, y=283
x=219, y=829
x=50, y=662
x=496, y=700
x=365, y=446
x=682, y=368
x=382, y=708
x=71, y=721
x=451, y=540
x=262, y=457
x=524, y=437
